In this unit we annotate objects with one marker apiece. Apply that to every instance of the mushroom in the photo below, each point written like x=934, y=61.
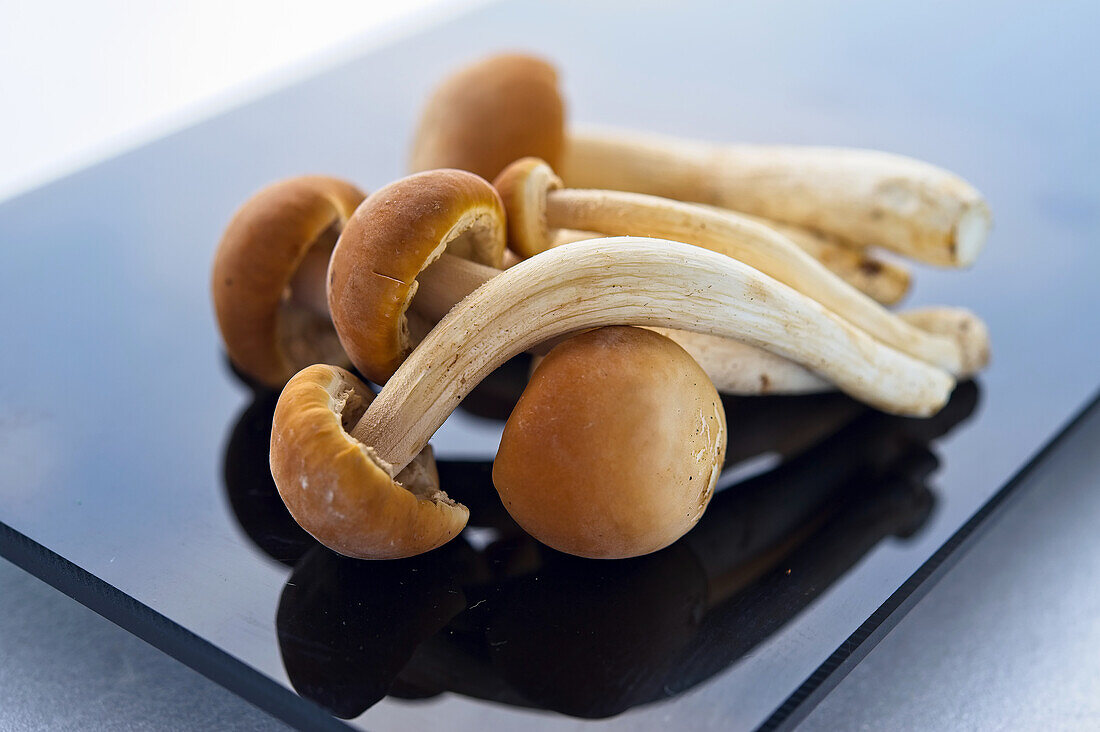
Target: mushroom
x=490, y=113
x=634, y=281
x=268, y=277
x=536, y=202
x=614, y=448
x=355, y=474
x=477, y=120
x=343, y=492
x=375, y=273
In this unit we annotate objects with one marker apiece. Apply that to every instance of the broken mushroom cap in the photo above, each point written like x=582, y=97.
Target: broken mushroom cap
x=338, y=489
x=268, y=335
x=389, y=240
x=614, y=448
x=490, y=113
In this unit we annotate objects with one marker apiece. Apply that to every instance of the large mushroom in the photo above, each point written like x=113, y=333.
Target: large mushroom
x=614, y=448
x=268, y=277
x=355, y=475
x=509, y=106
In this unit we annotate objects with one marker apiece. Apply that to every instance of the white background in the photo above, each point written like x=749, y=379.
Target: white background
x=81, y=81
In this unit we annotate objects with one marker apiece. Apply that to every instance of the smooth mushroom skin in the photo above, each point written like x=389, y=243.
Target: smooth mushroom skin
x=393, y=236
x=614, y=448
x=337, y=488
x=536, y=203
x=490, y=113
x=267, y=335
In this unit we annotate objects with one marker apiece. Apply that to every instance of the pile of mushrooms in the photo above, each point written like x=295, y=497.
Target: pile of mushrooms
x=685, y=270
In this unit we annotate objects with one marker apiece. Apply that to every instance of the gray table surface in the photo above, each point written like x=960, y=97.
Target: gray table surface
x=1008, y=638
x=63, y=667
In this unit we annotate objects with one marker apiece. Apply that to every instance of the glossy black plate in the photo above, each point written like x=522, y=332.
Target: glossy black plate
x=132, y=464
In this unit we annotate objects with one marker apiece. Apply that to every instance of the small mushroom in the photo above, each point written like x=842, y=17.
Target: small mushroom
x=340, y=490
x=537, y=202
x=325, y=460
x=479, y=117
x=268, y=277
x=614, y=448
x=388, y=243
x=864, y=196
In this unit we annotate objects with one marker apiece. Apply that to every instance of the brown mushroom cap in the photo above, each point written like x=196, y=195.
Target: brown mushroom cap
x=523, y=186
x=615, y=446
x=389, y=240
x=490, y=113
x=266, y=335
x=336, y=487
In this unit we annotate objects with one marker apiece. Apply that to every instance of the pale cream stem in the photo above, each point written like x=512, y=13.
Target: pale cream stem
x=864, y=196
x=725, y=232
x=880, y=279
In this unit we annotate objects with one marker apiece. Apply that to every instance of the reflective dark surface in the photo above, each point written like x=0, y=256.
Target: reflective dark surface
x=117, y=410
x=520, y=624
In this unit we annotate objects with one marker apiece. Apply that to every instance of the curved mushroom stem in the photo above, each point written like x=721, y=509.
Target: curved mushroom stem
x=733, y=366
x=882, y=280
x=618, y=213
x=632, y=281
x=864, y=196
